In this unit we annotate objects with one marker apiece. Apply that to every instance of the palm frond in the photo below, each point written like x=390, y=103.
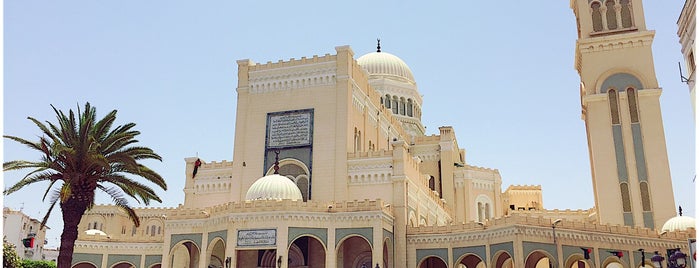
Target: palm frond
x=121, y=202
x=29, y=179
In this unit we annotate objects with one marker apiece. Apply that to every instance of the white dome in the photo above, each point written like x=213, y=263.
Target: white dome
x=273, y=187
x=679, y=223
x=385, y=64
x=95, y=232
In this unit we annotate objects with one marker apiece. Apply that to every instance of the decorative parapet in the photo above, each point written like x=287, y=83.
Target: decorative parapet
x=565, y=225
x=568, y=214
x=524, y=187
x=370, y=167
x=86, y=246
x=279, y=205
x=213, y=165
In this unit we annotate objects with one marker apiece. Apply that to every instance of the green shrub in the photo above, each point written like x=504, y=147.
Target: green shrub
x=38, y=264
x=10, y=258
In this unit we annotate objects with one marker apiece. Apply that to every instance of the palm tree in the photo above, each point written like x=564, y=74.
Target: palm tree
x=79, y=158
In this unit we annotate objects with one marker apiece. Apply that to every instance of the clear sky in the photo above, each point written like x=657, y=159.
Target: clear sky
x=501, y=73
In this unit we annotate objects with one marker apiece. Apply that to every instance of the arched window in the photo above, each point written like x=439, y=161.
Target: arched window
x=410, y=107
x=614, y=106
x=633, y=105
x=625, y=198
x=152, y=230
x=487, y=211
x=356, y=140
x=431, y=183
x=402, y=106
x=158, y=229
x=645, y=196
x=359, y=141
x=626, y=18
x=387, y=101
x=611, y=15
x=394, y=105
x=480, y=212
x=596, y=17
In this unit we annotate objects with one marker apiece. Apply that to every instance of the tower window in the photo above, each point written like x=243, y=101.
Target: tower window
x=625, y=199
x=626, y=18
x=611, y=15
x=633, y=108
x=645, y=196
x=614, y=106
x=596, y=17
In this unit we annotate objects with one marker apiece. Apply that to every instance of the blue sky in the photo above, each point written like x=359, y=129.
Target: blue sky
x=501, y=73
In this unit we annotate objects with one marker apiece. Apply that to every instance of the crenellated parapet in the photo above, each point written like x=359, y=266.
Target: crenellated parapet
x=255, y=206
x=370, y=167
x=540, y=226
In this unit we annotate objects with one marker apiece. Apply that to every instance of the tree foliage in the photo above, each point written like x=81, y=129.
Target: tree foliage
x=10, y=258
x=83, y=155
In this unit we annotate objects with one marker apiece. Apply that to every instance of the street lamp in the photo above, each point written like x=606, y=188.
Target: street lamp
x=677, y=259
x=279, y=261
x=657, y=260
x=643, y=257
x=555, y=243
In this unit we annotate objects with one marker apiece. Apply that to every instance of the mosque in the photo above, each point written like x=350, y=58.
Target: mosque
x=332, y=168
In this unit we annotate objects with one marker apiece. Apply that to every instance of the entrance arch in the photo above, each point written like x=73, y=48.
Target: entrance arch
x=432, y=262
x=577, y=261
x=471, y=261
x=354, y=252
x=388, y=253
x=307, y=251
x=538, y=259
x=503, y=260
x=123, y=265
x=84, y=265
x=216, y=253
x=185, y=254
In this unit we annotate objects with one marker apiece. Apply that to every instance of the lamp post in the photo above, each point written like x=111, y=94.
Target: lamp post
x=555, y=242
x=643, y=257
x=279, y=261
x=657, y=260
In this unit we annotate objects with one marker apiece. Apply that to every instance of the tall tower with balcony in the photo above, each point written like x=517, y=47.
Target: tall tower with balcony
x=619, y=94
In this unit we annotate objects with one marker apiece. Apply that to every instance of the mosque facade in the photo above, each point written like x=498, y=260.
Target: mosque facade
x=332, y=168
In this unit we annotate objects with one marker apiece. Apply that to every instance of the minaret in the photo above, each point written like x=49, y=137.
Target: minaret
x=620, y=106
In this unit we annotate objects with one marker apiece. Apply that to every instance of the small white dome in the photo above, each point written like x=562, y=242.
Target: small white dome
x=95, y=232
x=679, y=223
x=385, y=64
x=273, y=187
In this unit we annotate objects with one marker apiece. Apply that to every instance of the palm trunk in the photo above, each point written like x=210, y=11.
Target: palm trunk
x=72, y=211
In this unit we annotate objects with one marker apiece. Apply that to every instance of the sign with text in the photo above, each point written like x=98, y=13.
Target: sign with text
x=289, y=129
x=260, y=237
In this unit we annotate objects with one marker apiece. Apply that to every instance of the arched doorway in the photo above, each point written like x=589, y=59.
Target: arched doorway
x=432, y=262
x=577, y=261
x=84, y=265
x=217, y=253
x=306, y=251
x=354, y=252
x=471, y=261
x=503, y=260
x=539, y=259
x=184, y=254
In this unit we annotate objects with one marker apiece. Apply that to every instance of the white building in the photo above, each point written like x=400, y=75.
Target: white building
x=18, y=226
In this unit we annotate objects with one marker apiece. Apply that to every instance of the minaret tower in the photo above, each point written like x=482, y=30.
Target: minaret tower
x=621, y=109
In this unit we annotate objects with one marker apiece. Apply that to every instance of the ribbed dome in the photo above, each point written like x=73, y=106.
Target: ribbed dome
x=679, y=223
x=273, y=187
x=385, y=64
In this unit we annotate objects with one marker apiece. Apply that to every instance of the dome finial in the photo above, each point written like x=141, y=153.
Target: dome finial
x=276, y=161
x=680, y=210
x=378, y=45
